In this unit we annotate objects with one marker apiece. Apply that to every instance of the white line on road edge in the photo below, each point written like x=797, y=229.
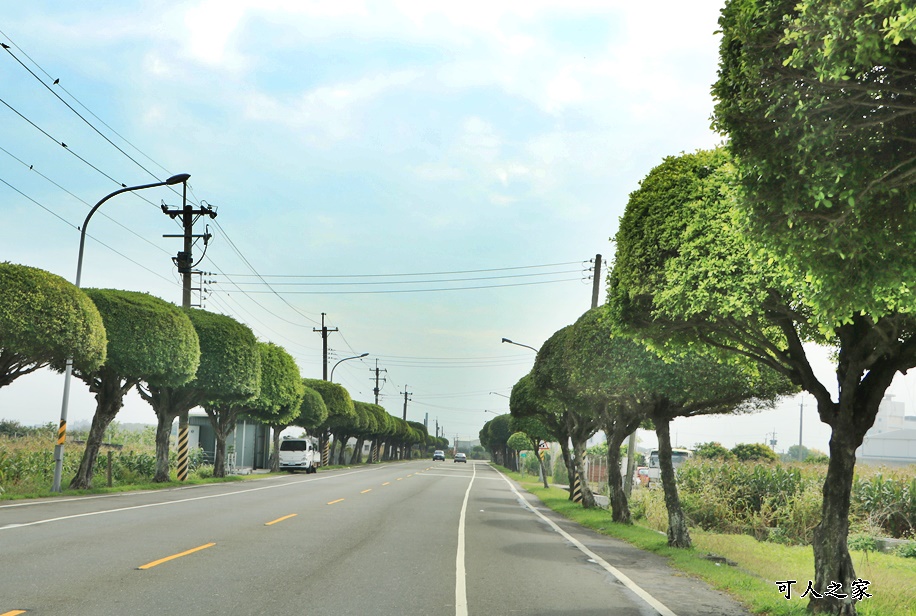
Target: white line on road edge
x=642, y=594
x=176, y=502
x=461, y=591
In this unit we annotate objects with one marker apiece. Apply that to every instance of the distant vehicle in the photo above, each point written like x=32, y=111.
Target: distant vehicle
x=438, y=455
x=461, y=457
x=642, y=476
x=678, y=457
x=299, y=454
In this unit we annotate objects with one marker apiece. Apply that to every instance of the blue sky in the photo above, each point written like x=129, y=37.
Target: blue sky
x=346, y=139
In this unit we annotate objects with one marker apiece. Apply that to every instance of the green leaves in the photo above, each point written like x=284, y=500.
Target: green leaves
x=44, y=320
x=149, y=339
x=816, y=98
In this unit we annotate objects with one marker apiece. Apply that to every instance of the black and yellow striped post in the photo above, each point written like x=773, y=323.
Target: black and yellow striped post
x=577, y=490
x=62, y=432
x=326, y=453
x=373, y=456
x=182, y=470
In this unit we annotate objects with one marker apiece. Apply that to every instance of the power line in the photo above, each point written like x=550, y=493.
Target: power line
x=69, y=224
x=472, y=288
x=474, y=271
x=57, y=83
x=61, y=143
x=320, y=284
x=80, y=199
x=78, y=114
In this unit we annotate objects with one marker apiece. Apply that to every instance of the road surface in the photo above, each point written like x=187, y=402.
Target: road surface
x=407, y=538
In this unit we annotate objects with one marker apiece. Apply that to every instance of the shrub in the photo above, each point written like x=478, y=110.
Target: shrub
x=907, y=550
x=754, y=452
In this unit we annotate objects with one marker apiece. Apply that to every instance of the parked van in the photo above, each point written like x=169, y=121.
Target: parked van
x=299, y=454
x=678, y=457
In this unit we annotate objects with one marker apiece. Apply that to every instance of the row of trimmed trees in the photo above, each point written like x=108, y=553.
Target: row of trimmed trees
x=177, y=360
x=800, y=230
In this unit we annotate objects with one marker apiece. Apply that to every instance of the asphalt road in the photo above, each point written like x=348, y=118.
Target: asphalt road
x=407, y=538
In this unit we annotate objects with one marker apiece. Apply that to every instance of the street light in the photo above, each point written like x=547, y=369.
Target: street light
x=496, y=393
x=68, y=370
x=520, y=344
x=331, y=380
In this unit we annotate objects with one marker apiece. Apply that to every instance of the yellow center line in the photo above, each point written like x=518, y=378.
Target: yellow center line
x=364, y=491
x=387, y=483
x=13, y=613
x=400, y=479
x=173, y=557
x=286, y=517
x=337, y=501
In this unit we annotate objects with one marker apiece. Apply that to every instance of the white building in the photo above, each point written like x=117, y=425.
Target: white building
x=892, y=439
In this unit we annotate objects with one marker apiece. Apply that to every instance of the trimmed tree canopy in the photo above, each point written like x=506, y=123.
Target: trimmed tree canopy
x=314, y=412
x=44, y=320
x=230, y=362
x=281, y=390
x=817, y=98
x=149, y=339
x=340, y=406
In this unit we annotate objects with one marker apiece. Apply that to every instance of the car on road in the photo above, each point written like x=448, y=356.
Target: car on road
x=461, y=457
x=438, y=455
x=299, y=454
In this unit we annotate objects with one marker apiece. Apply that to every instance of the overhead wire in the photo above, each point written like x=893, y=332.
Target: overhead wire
x=440, y=289
x=57, y=83
x=69, y=224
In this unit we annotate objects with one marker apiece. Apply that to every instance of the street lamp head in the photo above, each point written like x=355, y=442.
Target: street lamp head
x=364, y=355
x=507, y=340
x=178, y=179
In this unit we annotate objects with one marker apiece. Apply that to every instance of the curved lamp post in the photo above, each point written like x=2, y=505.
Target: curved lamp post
x=68, y=370
x=331, y=379
x=520, y=344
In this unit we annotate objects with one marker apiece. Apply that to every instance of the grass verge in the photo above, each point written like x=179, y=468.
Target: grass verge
x=758, y=565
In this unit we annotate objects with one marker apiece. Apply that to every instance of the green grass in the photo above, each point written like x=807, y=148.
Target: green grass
x=892, y=579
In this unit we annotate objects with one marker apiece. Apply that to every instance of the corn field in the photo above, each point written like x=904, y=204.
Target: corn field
x=781, y=502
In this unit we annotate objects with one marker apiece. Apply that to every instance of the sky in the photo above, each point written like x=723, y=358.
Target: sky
x=432, y=176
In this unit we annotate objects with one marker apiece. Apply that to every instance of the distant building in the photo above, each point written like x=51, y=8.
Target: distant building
x=892, y=439
x=891, y=416
x=249, y=442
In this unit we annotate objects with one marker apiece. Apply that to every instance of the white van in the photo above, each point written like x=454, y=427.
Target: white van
x=299, y=454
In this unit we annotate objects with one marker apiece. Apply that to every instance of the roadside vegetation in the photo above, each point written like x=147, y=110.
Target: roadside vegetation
x=741, y=564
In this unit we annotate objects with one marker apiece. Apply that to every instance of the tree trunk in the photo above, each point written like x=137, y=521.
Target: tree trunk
x=164, y=421
x=543, y=466
x=678, y=537
x=275, y=454
x=109, y=397
x=832, y=562
x=223, y=420
x=357, y=456
x=620, y=507
x=588, y=499
x=567, y=461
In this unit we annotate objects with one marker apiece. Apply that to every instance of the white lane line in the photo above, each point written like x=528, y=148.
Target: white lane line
x=177, y=502
x=617, y=573
x=461, y=591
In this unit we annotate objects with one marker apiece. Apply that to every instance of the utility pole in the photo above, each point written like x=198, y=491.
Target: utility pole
x=801, y=411
x=324, y=344
x=596, y=281
x=185, y=262
x=376, y=370
x=406, y=393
